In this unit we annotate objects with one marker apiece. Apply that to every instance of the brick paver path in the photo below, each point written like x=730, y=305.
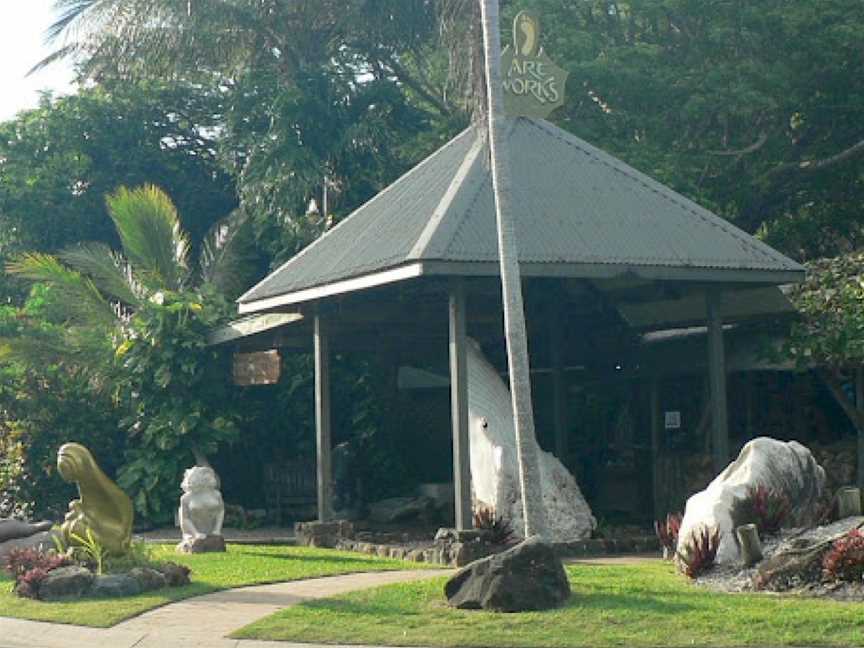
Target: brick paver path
x=201, y=622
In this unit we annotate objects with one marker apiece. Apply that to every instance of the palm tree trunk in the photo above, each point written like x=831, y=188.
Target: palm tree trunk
x=511, y=285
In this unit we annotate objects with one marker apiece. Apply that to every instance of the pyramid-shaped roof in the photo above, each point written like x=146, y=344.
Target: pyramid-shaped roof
x=579, y=212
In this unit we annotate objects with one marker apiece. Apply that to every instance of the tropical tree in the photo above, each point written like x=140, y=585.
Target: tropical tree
x=329, y=97
x=60, y=159
x=136, y=322
x=511, y=284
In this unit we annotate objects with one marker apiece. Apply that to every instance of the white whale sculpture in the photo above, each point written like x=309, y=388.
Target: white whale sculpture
x=494, y=466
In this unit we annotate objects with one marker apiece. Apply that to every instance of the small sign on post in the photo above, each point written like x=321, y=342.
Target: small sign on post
x=533, y=85
x=263, y=368
x=673, y=420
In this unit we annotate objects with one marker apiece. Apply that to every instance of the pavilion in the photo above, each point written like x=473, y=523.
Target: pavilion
x=603, y=250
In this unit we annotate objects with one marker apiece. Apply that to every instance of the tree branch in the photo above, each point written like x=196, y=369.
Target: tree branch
x=812, y=166
x=758, y=144
x=855, y=415
x=405, y=77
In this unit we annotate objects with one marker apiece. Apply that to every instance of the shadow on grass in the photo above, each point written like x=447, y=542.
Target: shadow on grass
x=307, y=559
x=577, y=602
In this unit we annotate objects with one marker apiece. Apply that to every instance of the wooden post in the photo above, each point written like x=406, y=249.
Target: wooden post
x=659, y=508
x=848, y=502
x=559, y=384
x=717, y=378
x=859, y=404
x=751, y=546
x=323, y=436
x=459, y=406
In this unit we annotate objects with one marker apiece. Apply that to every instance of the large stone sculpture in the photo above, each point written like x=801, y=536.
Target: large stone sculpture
x=102, y=508
x=202, y=512
x=788, y=468
x=494, y=466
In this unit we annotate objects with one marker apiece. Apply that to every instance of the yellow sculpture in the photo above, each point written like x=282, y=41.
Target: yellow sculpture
x=103, y=509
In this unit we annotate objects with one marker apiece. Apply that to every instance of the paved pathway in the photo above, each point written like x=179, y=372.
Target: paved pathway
x=201, y=622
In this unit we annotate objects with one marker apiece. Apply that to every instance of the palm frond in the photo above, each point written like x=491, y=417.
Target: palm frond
x=110, y=273
x=228, y=261
x=153, y=240
x=74, y=298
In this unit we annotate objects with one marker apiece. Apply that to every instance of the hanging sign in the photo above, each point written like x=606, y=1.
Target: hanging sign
x=673, y=420
x=262, y=368
x=533, y=85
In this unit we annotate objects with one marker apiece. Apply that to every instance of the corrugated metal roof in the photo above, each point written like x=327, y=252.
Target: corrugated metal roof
x=575, y=206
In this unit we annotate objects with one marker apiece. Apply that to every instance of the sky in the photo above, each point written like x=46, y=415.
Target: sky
x=22, y=25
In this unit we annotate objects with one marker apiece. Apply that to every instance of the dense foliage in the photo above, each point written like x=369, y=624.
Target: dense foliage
x=61, y=159
x=176, y=394
x=829, y=334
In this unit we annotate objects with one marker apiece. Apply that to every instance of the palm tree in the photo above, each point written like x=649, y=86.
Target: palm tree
x=511, y=285
x=94, y=289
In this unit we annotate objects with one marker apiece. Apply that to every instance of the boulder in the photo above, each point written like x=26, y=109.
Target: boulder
x=115, y=586
x=323, y=534
x=530, y=576
x=42, y=541
x=65, y=582
x=400, y=509
x=148, y=579
x=788, y=468
x=11, y=529
x=494, y=466
x=207, y=544
x=175, y=575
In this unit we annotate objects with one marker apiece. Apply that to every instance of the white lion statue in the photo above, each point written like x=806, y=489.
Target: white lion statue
x=202, y=511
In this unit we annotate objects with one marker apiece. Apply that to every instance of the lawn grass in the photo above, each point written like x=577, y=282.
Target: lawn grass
x=642, y=605
x=241, y=565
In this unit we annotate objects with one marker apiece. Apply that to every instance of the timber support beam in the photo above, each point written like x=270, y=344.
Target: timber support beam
x=717, y=379
x=323, y=432
x=459, y=406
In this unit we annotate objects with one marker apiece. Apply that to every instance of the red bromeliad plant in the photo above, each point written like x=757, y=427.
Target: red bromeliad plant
x=700, y=558
x=845, y=559
x=769, y=509
x=667, y=532
x=21, y=561
x=29, y=567
x=498, y=530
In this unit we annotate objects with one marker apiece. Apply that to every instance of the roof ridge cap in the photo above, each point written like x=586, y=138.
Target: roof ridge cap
x=456, y=186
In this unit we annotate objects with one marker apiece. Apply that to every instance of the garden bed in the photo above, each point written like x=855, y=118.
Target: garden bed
x=238, y=567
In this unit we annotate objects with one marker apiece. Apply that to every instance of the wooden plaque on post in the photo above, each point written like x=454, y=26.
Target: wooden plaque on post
x=263, y=368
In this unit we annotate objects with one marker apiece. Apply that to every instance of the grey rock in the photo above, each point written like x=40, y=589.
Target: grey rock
x=11, y=529
x=175, y=575
x=115, y=586
x=148, y=579
x=208, y=544
x=455, y=535
x=400, y=509
x=323, y=534
x=530, y=576
x=65, y=582
x=42, y=541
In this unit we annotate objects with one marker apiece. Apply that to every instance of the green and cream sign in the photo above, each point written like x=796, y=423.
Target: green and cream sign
x=533, y=85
